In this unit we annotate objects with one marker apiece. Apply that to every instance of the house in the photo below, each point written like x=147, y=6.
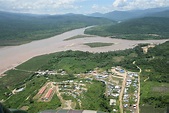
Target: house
x=125, y=105
x=122, y=71
x=112, y=102
x=118, y=68
x=136, y=75
x=19, y=90
x=115, y=95
x=134, y=106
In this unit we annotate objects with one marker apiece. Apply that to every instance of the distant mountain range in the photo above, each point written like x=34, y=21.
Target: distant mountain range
x=19, y=28
x=135, y=29
x=160, y=14
x=135, y=24
x=126, y=15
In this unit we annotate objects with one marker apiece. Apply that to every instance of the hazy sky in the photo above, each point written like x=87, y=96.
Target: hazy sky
x=77, y=6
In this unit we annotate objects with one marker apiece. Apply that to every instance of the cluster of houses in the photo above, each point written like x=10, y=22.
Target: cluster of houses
x=113, y=87
x=130, y=96
x=47, y=72
x=113, y=90
x=72, y=88
x=76, y=88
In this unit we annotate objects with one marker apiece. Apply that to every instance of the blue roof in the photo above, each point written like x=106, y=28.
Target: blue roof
x=122, y=71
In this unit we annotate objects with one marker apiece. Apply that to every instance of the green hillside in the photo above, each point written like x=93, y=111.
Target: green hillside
x=154, y=79
x=133, y=14
x=21, y=28
x=159, y=14
x=142, y=28
x=154, y=76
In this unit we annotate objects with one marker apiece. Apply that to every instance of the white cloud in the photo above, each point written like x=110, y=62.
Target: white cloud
x=95, y=6
x=119, y=3
x=38, y=6
x=77, y=6
x=98, y=8
x=139, y=4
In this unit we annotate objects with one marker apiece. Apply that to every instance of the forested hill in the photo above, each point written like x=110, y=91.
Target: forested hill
x=155, y=63
x=154, y=78
x=22, y=28
x=142, y=28
x=159, y=14
x=131, y=14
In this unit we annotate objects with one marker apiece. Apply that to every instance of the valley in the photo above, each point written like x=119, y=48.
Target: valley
x=12, y=56
x=64, y=62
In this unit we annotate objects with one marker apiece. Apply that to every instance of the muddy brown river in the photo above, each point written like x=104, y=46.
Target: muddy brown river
x=12, y=56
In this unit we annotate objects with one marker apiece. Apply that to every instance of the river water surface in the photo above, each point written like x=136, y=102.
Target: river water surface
x=12, y=56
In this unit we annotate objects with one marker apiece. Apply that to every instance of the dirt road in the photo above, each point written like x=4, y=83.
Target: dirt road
x=66, y=104
x=138, y=95
x=122, y=91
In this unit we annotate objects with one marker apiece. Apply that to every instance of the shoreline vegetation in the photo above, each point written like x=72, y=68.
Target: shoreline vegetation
x=78, y=36
x=98, y=44
x=57, y=44
x=153, y=65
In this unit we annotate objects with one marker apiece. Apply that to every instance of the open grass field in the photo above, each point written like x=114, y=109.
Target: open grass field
x=118, y=58
x=40, y=106
x=35, y=63
x=30, y=90
x=25, y=98
x=151, y=109
x=13, y=79
x=155, y=95
x=152, y=88
x=95, y=99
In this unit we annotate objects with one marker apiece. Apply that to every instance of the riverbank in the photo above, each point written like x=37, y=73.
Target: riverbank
x=12, y=56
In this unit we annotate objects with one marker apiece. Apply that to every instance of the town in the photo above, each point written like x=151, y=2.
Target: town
x=122, y=87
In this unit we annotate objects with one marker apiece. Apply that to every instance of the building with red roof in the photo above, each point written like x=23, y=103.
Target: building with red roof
x=41, y=91
x=48, y=94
